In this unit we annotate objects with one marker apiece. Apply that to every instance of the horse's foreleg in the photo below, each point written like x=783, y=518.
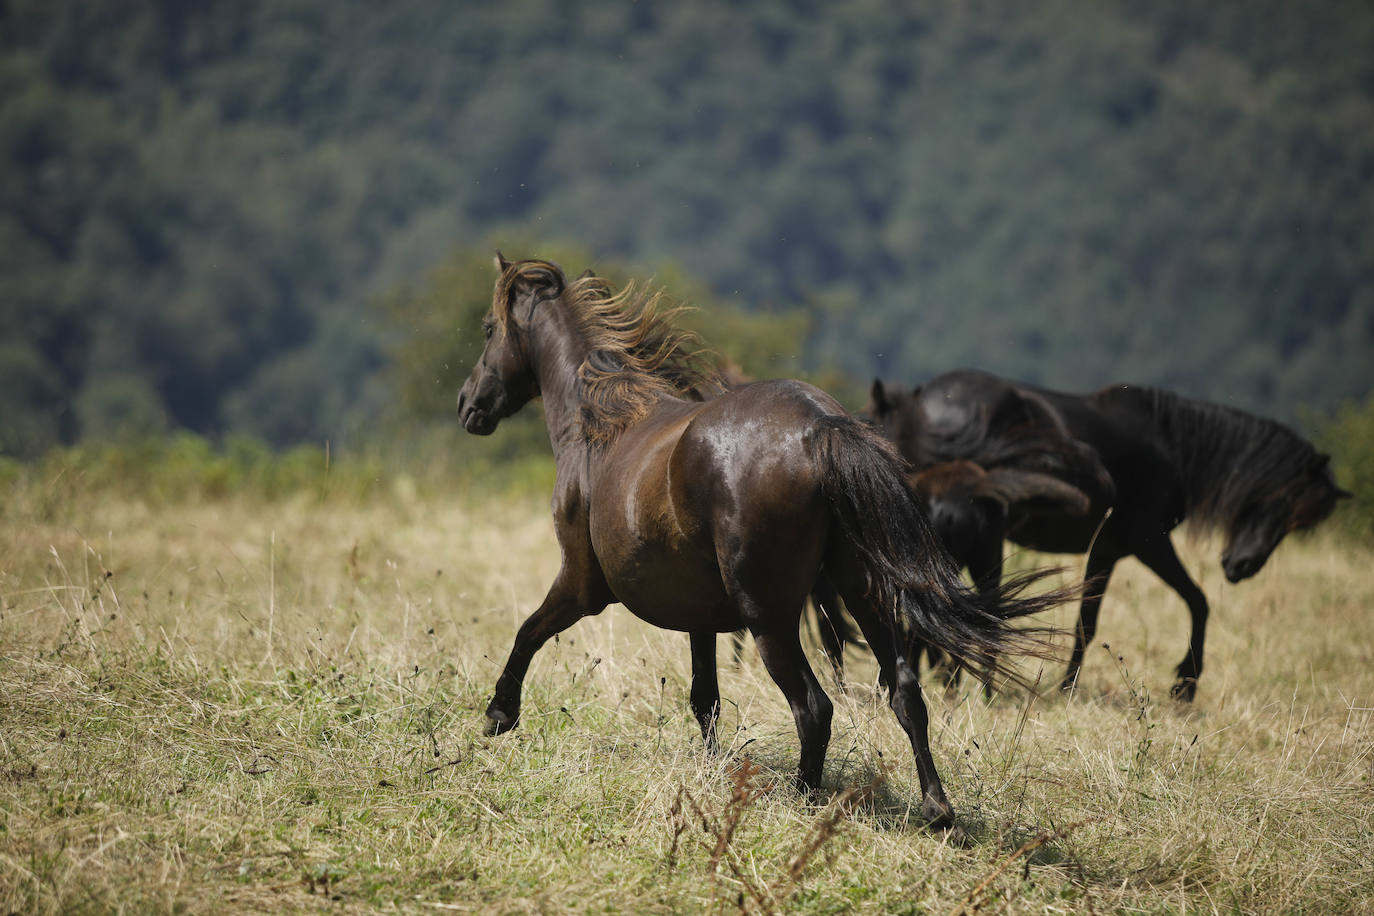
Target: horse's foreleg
x=904, y=696
x=705, y=695
x=1163, y=562
x=1098, y=572
x=781, y=651
x=985, y=568
x=560, y=609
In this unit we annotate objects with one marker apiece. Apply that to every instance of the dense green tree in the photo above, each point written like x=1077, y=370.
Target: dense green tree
x=198, y=202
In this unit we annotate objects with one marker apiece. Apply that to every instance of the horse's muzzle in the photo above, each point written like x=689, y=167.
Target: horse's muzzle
x=477, y=422
x=1241, y=568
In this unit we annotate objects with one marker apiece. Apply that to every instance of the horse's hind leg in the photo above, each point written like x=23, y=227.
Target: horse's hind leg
x=705, y=696
x=904, y=696
x=1160, y=557
x=781, y=651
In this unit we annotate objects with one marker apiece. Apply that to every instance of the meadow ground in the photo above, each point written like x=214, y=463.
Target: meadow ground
x=253, y=705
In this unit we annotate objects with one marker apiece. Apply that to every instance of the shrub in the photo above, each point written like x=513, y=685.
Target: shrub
x=1349, y=438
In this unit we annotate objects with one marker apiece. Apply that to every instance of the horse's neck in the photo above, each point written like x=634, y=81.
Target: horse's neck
x=557, y=354
x=1223, y=455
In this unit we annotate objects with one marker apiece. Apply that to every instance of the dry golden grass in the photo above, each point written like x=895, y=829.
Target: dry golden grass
x=276, y=706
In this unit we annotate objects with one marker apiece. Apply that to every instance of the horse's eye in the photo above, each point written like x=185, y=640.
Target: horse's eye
x=487, y=331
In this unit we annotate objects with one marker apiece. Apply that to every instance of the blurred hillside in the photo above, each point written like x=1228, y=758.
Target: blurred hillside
x=222, y=215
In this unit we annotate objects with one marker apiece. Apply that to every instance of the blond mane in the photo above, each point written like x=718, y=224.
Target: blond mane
x=636, y=353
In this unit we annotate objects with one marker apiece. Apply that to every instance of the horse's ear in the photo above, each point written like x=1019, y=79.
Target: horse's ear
x=586, y=274
x=547, y=280
x=879, y=395
x=501, y=263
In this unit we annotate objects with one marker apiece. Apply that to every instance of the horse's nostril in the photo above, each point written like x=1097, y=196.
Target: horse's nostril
x=1242, y=568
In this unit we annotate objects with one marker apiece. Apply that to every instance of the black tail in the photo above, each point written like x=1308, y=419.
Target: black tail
x=884, y=536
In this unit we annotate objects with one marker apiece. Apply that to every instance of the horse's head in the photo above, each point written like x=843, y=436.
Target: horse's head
x=896, y=412
x=958, y=513
x=504, y=378
x=1263, y=522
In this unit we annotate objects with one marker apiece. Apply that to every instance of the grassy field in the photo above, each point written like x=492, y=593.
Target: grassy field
x=256, y=705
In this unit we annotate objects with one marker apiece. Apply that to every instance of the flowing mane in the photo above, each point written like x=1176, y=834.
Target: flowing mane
x=637, y=354
x=1226, y=459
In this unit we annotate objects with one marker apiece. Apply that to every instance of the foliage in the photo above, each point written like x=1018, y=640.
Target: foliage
x=200, y=200
x=179, y=468
x=1348, y=437
x=187, y=468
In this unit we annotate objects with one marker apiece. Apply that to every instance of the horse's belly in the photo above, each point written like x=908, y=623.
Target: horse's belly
x=674, y=593
x=656, y=559
x=1053, y=534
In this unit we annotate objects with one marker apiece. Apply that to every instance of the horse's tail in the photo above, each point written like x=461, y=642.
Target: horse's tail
x=882, y=543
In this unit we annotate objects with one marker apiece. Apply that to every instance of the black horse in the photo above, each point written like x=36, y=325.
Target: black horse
x=969, y=508
x=1168, y=458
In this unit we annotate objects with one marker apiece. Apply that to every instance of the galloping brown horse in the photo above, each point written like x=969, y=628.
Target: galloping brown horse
x=709, y=516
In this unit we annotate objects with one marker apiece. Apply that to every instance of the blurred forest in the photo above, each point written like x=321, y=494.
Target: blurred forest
x=276, y=219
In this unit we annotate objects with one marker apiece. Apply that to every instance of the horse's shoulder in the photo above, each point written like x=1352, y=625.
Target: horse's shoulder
x=1122, y=399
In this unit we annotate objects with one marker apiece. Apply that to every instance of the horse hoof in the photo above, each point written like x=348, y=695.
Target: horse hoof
x=1184, y=690
x=938, y=813
x=498, y=723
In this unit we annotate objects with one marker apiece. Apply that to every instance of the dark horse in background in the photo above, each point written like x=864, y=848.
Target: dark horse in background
x=969, y=507
x=1168, y=458
x=708, y=516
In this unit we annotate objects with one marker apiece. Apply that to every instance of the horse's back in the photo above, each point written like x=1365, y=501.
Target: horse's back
x=751, y=446
x=719, y=498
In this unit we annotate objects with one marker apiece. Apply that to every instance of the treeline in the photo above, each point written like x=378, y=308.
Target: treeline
x=226, y=217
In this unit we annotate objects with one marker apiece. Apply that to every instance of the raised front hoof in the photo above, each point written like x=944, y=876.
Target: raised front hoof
x=1184, y=689
x=499, y=722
